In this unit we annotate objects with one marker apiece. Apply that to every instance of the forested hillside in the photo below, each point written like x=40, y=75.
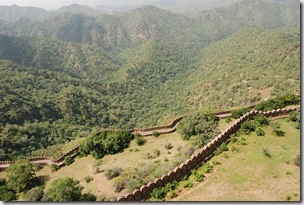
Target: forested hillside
x=73, y=73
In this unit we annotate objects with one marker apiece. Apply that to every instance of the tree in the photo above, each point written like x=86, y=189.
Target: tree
x=64, y=189
x=20, y=175
x=35, y=194
x=6, y=194
x=68, y=160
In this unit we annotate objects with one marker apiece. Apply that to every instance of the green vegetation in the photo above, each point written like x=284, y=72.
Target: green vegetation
x=65, y=79
x=68, y=161
x=20, y=175
x=278, y=102
x=65, y=189
x=105, y=143
x=198, y=128
x=7, y=194
x=295, y=116
x=34, y=194
x=140, y=140
x=264, y=161
x=74, y=75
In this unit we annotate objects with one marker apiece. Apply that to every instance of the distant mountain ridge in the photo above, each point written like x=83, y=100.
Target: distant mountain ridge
x=74, y=73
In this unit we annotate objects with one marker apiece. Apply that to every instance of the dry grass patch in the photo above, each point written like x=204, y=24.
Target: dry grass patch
x=130, y=158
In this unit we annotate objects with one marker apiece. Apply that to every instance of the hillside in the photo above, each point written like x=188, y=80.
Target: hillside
x=73, y=73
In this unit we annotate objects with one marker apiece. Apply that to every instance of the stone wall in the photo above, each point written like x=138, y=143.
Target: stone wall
x=200, y=156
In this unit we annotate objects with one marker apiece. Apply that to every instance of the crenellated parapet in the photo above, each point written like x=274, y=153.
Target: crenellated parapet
x=200, y=156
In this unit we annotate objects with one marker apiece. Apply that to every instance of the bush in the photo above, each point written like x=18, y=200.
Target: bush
x=119, y=185
x=88, y=197
x=260, y=132
x=224, y=147
x=96, y=170
x=106, y=142
x=155, y=134
x=261, y=120
x=297, y=161
x=156, y=152
x=242, y=141
x=88, y=179
x=198, y=124
x=68, y=160
x=239, y=112
x=54, y=168
x=105, y=197
x=158, y=193
x=276, y=129
x=278, y=102
x=112, y=173
x=7, y=194
x=233, y=138
x=168, y=146
x=228, y=119
x=207, y=168
x=34, y=194
x=140, y=140
x=266, y=153
x=248, y=126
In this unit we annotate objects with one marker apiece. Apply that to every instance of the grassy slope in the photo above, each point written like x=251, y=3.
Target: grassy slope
x=83, y=167
x=247, y=175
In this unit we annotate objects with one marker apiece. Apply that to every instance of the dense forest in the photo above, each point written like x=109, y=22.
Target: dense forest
x=71, y=74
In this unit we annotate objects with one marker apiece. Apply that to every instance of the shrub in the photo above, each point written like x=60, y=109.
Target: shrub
x=54, y=168
x=188, y=184
x=119, y=185
x=242, y=141
x=233, y=138
x=248, y=126
x=156, y=152
x=260, y=132
x=276, y=129
x=148, y=156
x=112, y=173
x=171, y=194
x=207, y=168
x=199, y=177
x=295, y=116
x=7, y=194
x=278, y=102
x=105, y=197
x=224, y=147
x=168, y=146
x=68, y=160
x=198, y=124
x=233, y=149
x=261, y=120
x=266, y=153
x=155, y=134
x=34, y=194
x=158, y=193
x=88, y=197
x=88, y=179
x=297, y=161
x=228, y=119
x=215, y=162
x=96, y=170
x=106, y=142
x=140, y=140
x=239, y=112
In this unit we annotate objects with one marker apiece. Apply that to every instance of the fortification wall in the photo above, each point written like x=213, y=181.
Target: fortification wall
x=202, y=155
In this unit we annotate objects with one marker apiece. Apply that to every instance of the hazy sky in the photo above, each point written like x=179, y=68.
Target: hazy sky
x=56, y=4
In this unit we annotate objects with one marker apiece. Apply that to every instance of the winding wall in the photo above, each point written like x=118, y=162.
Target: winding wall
x=199, y=157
